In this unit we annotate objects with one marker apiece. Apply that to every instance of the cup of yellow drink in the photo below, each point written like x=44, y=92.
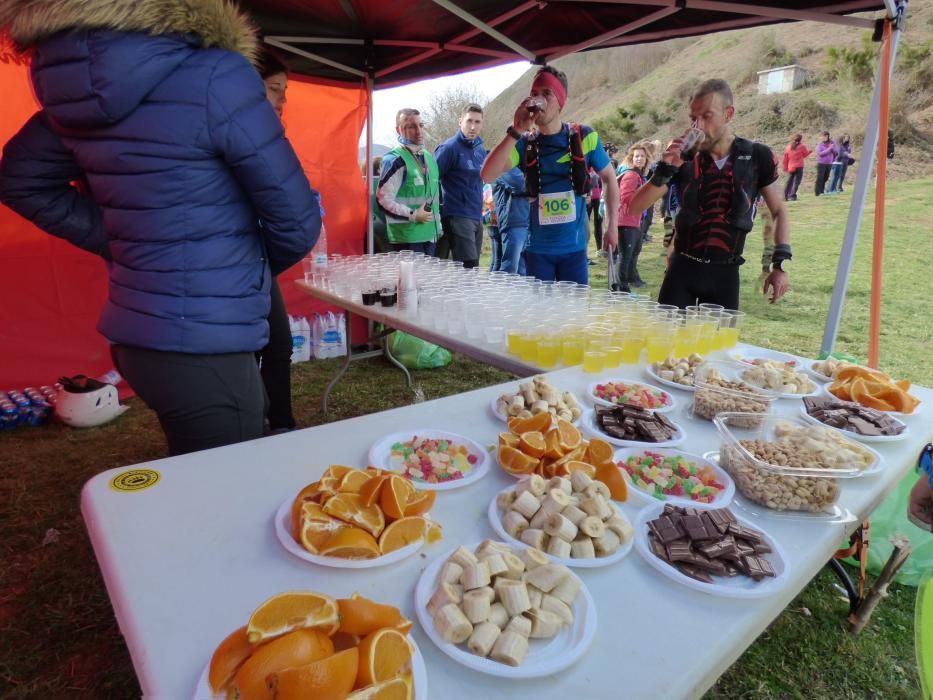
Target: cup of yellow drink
x=549, y=350
x=593, y=361
x=613, y=356
x=659, y=342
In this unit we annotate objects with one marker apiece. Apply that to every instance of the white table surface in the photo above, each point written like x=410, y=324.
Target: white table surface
x=186, y=560
x=394, y=317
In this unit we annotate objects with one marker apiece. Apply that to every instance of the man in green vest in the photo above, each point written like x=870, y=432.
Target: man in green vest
x=409, y=188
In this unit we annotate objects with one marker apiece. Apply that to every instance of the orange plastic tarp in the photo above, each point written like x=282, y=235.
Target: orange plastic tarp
x=54, y=291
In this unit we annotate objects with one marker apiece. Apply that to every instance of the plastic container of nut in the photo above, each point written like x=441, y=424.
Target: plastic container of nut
x=720, y=389
x=785, y=466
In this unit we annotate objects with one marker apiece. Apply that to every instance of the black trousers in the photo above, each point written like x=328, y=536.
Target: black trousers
x=793, y=182
x=629, y=248
x=275, y=363
x=688, y=282
x=597, y=223
x=202, y=401
x=822, y=175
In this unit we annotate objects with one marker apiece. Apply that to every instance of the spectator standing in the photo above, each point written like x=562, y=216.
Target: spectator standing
x=459, y=160
x=491, y=224
x=826, y=152
x=513, y=212
x=409, y=188
x=190, y=191
x=792, y=164
x=717, y=188
x=555, y=162
x=632, y=177
x=275, y=359
x=380, y=228
x=840, y=165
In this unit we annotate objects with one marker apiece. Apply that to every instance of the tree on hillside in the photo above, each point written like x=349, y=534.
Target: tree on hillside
x=441, y=114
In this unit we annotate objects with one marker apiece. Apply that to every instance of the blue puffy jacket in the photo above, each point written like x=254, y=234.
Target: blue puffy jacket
x=164, y=157
x=458, y=162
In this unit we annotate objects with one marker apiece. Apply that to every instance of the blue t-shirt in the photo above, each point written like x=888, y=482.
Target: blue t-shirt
x=553, y=230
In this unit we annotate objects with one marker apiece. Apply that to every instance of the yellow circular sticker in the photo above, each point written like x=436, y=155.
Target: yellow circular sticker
x=135, y=480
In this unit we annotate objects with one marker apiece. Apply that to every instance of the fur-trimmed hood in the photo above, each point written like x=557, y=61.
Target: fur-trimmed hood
x=218, y=23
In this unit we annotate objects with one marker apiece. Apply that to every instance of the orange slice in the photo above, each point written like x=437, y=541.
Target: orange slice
x=309, y=494
x=360, y=616
x=316, y=533
x=372, y=489
x=420, y=503
x=572, y=456
x=293, y=649
x=515, y=461
x=570, y=437
x=510, y=439
x=395, y=494
x=325, y=679
x=532, y=444
x=568, y=468
x=393, y=689
x=552, y=448
x=384, y=654
x=599, y=452
x=290, y=611
x=350, y=508
x=227, y=659
x=537, y=423
x=344, y=641
x=351, y=543
x=402, y=533
x=612, y=477
x=353, y=481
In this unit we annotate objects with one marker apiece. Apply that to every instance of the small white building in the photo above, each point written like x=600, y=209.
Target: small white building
x=783, y=79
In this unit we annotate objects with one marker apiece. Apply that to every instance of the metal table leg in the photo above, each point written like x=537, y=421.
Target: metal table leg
x=391, y=358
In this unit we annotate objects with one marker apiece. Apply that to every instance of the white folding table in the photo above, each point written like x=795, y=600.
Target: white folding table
x=187, y=559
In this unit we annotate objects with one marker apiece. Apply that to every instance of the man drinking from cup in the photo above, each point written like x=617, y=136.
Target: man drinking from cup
x=718, y=176
x=555, y=161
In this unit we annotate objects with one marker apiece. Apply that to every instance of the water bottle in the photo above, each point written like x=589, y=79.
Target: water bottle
x=319, y=251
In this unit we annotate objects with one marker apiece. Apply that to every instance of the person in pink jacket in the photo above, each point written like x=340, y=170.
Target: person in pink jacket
x=631, y=177
x=794, y=155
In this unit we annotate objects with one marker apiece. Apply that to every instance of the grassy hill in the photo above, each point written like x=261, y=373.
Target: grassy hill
x=631, y=93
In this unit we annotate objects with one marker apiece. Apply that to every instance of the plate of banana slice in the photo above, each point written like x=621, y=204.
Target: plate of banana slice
x=570, y=521
x=505, y=611
x=534, y=397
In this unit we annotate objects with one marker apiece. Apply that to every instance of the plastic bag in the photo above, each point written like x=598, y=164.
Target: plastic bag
x=891, y=517
x=416, y=353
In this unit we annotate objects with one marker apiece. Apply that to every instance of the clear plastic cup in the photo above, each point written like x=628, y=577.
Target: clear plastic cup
x=549, y=350
x=593, y=361
x=730, y=322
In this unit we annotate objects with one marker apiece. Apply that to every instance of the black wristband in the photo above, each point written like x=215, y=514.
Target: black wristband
x=780, y=254
x=513, y=132
x=663, y=174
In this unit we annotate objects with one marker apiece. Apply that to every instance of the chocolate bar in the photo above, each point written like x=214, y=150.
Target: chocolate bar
x=703, y=543
x=851, y=416
x=630, y=423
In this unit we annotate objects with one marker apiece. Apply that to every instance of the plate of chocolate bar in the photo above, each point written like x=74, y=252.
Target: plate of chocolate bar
x=627, y=426
x=854, y=420
x=710, y=550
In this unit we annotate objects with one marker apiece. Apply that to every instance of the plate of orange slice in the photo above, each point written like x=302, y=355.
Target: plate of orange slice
x=874, y=389
x=547, y=446
x=356, y=519
x=308, y=644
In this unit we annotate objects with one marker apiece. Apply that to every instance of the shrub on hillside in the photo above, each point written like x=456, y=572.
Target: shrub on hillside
x=857, y=65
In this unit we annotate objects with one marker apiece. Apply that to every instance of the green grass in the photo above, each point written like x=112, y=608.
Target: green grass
x=58, y=636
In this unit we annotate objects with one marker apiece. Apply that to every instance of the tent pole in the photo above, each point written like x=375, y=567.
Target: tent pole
x=856, y=208
x=369, y=165
x=877, y=260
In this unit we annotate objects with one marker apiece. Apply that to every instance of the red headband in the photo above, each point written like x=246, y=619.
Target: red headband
x=549, y=80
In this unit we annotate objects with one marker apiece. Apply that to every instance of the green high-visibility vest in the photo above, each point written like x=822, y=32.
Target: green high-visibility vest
x=414, y=192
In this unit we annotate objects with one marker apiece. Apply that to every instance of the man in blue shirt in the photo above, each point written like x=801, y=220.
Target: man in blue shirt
x=514, y=215
x=459, y=160
x=557, y=247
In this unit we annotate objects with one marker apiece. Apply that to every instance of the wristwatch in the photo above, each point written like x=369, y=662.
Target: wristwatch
x=513, y=132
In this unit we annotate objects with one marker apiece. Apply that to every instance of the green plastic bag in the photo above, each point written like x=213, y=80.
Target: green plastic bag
x=891, y=517
x=416, y=353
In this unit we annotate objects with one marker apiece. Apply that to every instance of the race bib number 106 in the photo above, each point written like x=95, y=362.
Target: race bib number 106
x=557, y=208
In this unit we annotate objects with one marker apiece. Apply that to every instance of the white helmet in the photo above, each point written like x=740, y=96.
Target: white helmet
x=86, y=403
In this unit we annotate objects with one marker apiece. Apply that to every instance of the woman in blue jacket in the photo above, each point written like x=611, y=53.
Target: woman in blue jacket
x=186, y=186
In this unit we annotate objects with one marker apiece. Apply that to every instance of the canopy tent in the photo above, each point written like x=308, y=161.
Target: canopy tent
x=355, y=45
